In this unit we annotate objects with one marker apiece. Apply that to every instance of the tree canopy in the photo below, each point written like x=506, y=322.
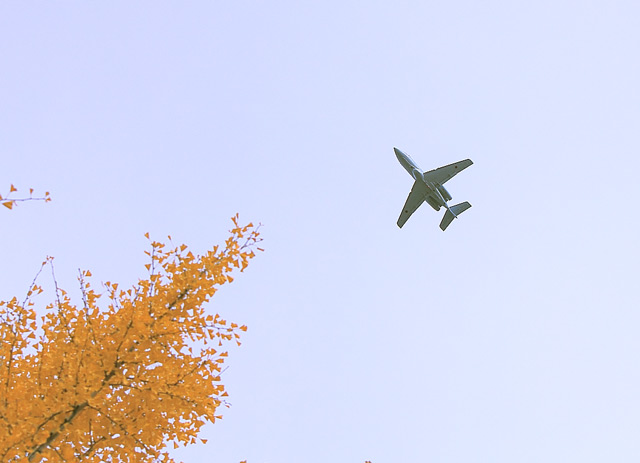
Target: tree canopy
x=125, y=373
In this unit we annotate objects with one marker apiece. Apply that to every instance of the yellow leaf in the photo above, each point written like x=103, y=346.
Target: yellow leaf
x=87, y=273
x=67, y=453
x=30, y=191
x=8, y=204
x=13, y=188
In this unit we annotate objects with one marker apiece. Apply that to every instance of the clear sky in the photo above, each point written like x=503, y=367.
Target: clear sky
x=511, y=337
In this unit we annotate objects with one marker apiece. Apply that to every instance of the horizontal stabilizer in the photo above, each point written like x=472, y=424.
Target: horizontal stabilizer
x=449, y=214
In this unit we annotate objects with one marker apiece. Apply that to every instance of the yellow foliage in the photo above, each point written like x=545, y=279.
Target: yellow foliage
x=119, y=381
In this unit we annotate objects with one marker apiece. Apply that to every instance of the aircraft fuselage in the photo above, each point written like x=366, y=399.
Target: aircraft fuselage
x=437, y=196
x=408, y=163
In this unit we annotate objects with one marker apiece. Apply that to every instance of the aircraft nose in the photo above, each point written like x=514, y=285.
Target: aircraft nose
x=399, y=153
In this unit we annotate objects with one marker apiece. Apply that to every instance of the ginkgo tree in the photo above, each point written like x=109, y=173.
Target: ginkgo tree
x=126, y=373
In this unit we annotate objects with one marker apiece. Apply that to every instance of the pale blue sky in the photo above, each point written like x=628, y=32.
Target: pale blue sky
x=512, y=337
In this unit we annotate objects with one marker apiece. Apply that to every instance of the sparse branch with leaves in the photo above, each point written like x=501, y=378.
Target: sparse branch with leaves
x=9, y=202
x=119, y=381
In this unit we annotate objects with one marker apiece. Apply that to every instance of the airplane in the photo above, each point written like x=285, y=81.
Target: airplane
x=428, y=186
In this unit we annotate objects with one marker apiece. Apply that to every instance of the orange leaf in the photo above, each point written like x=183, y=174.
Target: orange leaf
x=8, y=204
x=67, y=453
x=13, y=188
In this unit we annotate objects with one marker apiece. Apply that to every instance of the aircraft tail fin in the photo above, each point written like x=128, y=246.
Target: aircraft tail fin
x=452, y=213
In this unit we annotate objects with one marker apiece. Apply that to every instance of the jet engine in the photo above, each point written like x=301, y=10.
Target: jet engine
x=445, y=194
x=433, y=203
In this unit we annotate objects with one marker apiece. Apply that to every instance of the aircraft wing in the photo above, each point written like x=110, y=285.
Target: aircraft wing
x=415, y=198
x=446, y=173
